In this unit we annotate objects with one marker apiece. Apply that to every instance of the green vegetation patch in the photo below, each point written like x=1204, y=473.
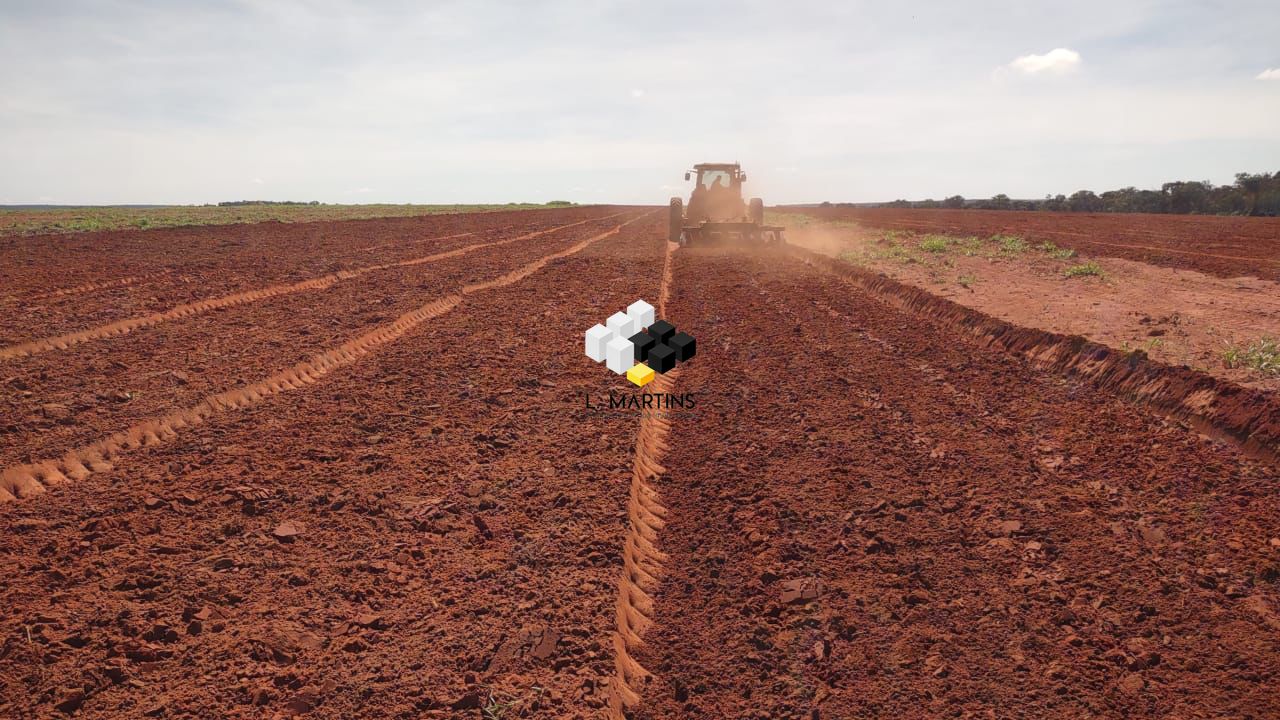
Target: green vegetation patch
x=1083, y=270
x=800, y=220
x=895, y=251
x=1262, y=355
x=1053, y=251
x=1010, y=244
x=970, y=246
x=935, y=243
x=43, y=221
x=790, y=220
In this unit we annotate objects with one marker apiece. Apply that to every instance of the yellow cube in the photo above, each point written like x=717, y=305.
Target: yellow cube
x=641, y=375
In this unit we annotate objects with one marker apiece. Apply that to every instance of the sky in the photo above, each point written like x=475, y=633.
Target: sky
x=598, y=101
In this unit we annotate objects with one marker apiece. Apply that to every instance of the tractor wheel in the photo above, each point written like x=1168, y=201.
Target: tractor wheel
x=757, y=211
x=676, y=220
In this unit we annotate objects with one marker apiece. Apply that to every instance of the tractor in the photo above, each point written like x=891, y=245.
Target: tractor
x=716, y=212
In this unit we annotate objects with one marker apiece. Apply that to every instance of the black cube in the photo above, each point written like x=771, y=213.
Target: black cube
x=643, y=342
x=662, y=330
x=684, y=345
x=661, y=358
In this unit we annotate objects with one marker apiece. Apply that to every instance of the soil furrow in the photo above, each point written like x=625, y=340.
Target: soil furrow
x=641, y=559
x=191, y=264
x=121, y=327
x=459, y=516
x=80, y=463
x=847, y=538
x=88, y=287
x=1217, y=407
x=91, y=390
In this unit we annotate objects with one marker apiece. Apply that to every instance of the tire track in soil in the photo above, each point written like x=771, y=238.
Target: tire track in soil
x=80, y=463
x=395, y=243
x=87, y=288
x=123, y=327
x=641, y=559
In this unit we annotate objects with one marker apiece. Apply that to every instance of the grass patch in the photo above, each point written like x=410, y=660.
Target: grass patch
x=935, y=243
x=970, y=246
x=1053, y=251
x=895, y=252
x=967, y=281
x=791, y=220
x=1083, y=270
x=800, y=220
x=1262, y=355
x=1010, y=244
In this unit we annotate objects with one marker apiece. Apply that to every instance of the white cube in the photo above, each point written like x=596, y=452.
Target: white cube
x=597, y=338
x=642, y=313
x=620, y=355
x=622, y=325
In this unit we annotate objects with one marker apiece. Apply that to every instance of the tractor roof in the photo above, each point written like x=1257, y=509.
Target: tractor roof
x=716, y=166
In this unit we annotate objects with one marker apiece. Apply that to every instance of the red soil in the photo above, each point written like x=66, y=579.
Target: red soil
x=55, y=284
x=869, y=518
x=1223, y=246
x=869, y=511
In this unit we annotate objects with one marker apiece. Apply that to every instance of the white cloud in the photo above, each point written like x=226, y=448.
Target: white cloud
x=1056, y=61
x=1269, y=74
x=637, y=93
x=257, y=181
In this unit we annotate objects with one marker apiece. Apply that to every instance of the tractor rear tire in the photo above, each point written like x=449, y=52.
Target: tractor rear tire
x=757, y=211
x=675, y=222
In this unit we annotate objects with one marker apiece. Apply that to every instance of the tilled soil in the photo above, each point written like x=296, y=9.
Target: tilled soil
x=99, y=386
x=63, y=283
x=414, y=536
x=1176, y=316
x=868, y=519
x=1217, y=245
x=864, y=513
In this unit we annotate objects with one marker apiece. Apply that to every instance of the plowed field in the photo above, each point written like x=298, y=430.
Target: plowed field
x=1224, y=246
x=363, y=469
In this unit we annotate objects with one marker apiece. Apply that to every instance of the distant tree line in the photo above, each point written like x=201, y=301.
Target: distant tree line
x=234, y=203
x=1249, y=195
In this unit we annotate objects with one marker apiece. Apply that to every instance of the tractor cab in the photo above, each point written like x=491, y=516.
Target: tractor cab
x=717, y=193
x=717, y=213
x=726, y=175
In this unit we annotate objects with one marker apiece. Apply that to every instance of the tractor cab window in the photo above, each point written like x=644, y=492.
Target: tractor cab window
x=713, y=178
